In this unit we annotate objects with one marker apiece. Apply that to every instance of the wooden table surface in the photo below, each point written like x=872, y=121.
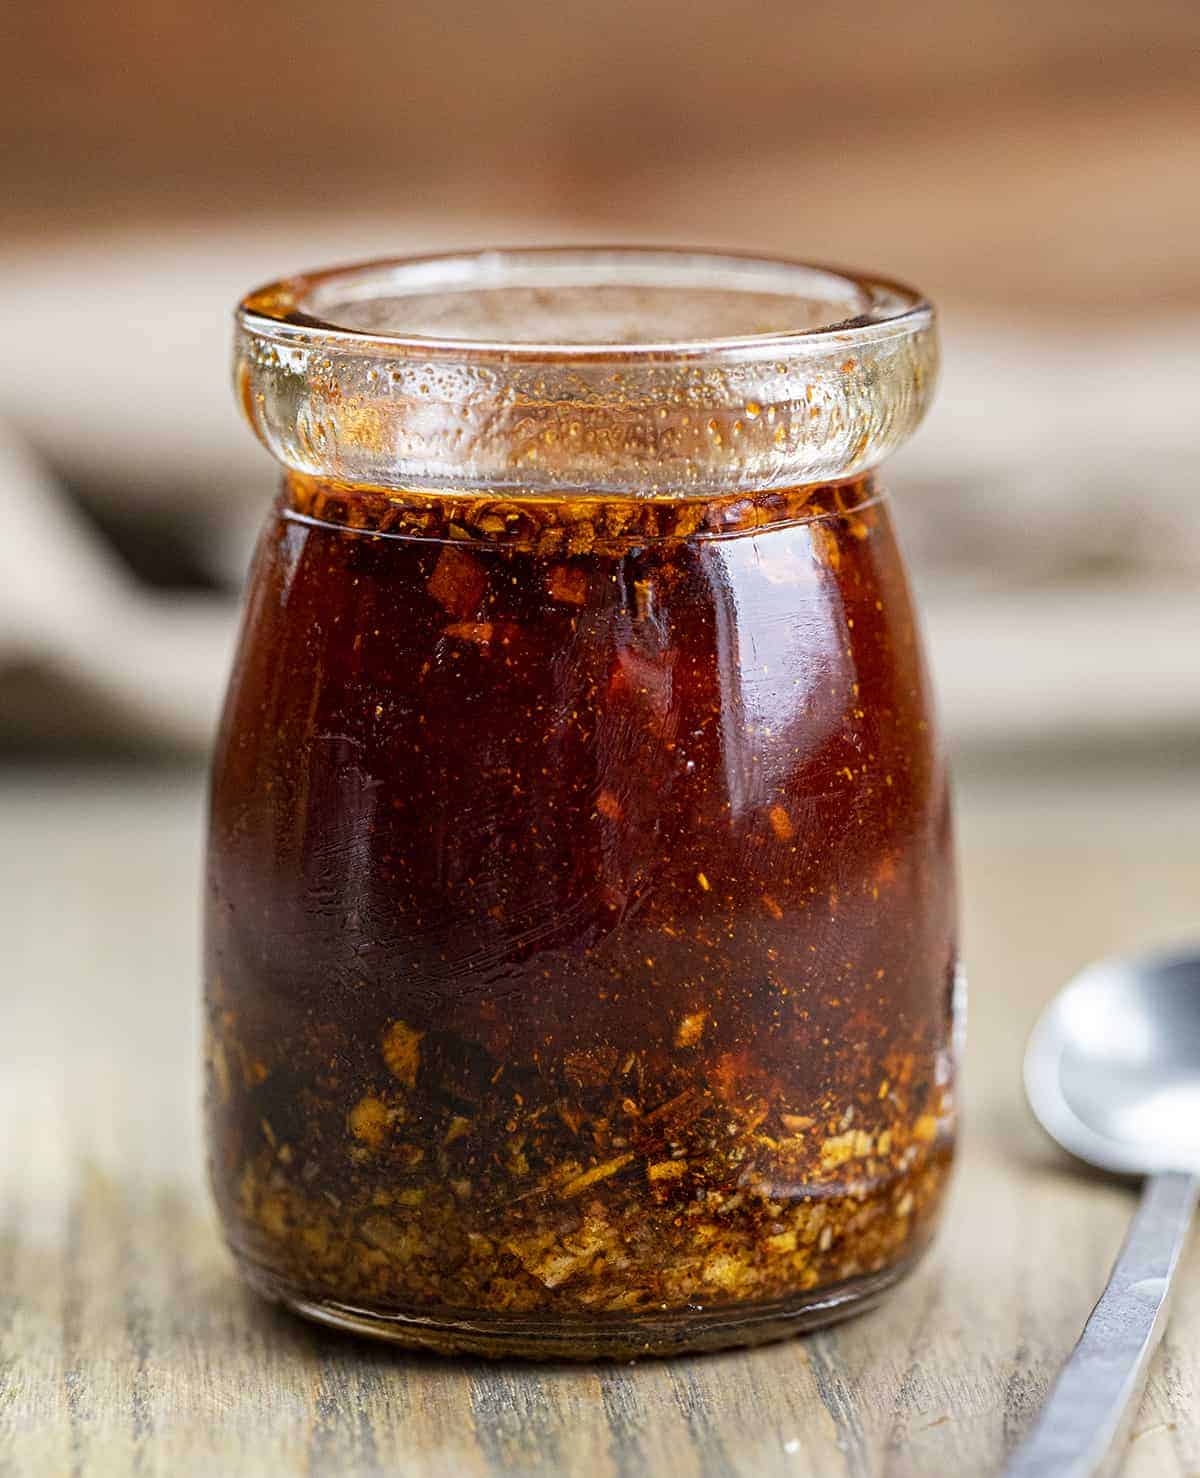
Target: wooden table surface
x=127, y=1346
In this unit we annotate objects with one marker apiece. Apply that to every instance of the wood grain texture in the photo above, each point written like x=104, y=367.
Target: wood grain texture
x=128, y=1347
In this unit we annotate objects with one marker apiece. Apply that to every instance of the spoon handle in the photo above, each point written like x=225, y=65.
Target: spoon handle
x=1081, y=1430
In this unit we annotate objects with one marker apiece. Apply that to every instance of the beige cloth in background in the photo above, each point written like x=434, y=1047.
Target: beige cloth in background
x=85, y=650
x=1049, y=504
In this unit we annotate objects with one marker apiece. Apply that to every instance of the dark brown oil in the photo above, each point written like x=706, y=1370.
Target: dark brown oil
x=580, y=907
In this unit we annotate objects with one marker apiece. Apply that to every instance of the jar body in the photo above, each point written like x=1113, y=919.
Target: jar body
x=580, y=919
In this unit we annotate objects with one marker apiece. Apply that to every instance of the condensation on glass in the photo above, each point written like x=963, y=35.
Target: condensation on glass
x=580, y=918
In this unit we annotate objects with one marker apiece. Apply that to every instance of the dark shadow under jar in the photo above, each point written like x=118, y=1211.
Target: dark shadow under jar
x=580, y=934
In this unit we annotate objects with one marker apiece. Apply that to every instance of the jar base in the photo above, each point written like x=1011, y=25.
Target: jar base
x=586, y=1336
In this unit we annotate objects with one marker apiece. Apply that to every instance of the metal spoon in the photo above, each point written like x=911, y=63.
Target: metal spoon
x=1113, y=1072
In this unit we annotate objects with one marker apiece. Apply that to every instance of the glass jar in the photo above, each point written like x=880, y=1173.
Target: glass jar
x=580, y=917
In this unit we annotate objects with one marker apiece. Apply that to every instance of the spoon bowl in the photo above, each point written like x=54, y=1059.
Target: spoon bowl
x=1112, y=1070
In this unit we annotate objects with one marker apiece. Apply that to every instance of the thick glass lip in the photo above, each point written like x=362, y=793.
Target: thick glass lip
x=295, y=306
x=730, y=372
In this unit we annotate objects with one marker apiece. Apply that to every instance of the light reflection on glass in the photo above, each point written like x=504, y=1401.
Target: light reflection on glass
x=780, y=635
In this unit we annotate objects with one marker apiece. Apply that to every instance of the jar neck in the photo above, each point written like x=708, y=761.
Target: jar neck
x=573, y=523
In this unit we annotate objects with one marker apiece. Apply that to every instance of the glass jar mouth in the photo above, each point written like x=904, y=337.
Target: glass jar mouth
x=434, y=305
x=548, y=372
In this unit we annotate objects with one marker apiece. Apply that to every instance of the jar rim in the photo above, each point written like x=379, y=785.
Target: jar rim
x=296, y=306
x=806, y=374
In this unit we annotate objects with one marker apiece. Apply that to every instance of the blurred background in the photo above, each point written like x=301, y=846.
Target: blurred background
x=1035, y=168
